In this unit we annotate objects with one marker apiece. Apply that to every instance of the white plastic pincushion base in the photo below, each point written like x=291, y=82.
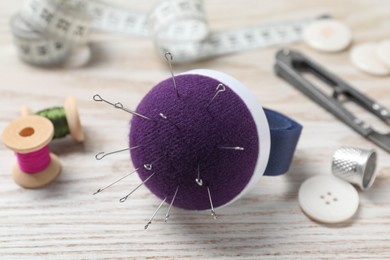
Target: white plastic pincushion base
x=259, y=117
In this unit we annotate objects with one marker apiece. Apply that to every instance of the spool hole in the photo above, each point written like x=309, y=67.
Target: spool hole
x=27, y=131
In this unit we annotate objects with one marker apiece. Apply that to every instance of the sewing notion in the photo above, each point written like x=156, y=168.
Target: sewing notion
x=372, y=58
x=66, y=119
x=29, y=137
x=382, y=51
x=45, y=31
x=327, y=35
x=200, y=140
x=328, y=199
x=290, y=64
x=355, y=165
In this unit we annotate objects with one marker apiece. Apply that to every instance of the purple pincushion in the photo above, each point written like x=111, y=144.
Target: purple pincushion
x=192, y=137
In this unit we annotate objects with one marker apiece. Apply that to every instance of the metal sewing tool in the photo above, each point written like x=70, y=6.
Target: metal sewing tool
x=169, y=58
x=120, y=106
x=289, y=65
x=213, y=214
x=101, y=155
x=355, y=165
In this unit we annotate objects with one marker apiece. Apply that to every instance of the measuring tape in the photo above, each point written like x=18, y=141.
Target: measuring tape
x=46, y=30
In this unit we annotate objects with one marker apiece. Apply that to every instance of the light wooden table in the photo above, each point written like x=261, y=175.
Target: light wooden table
x=64, y=220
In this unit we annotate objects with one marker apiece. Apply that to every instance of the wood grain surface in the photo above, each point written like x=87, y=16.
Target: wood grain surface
x=64, y=220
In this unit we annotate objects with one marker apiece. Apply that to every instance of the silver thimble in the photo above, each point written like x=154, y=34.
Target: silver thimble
x=355, y=165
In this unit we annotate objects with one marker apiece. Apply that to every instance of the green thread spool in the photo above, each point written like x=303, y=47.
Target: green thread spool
x=65, y=119
x=58, y=117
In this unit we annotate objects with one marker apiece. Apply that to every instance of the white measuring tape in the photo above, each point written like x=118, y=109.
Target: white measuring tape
x=46, y=30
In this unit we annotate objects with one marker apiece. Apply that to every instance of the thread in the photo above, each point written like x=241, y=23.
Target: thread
x=66, y=119
x=57, y=116
x=29, y=137
x=34, y=162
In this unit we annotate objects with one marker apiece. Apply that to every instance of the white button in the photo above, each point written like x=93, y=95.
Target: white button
x=382, y=52
x=327, y=35
x=328, y=199
x=363, y=56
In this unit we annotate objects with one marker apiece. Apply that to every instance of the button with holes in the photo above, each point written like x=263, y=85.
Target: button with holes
x=364, y=57
x=327, y=35
x=382, y=52
x=328, y=199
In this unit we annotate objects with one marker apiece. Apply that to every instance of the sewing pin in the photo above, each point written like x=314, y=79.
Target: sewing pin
x=169, y=59
x=120, y=106
x=170, y=205
x=220, y=88
x=101, y=155
x=213, y=214
x=100, y=190
x=167, y=119
x=154, y=214
x=149, y=166
x=136, y=188
x=198, y=180
x=237, y=148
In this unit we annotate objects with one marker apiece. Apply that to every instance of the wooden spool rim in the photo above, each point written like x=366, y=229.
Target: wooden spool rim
x=39, y=179
x=28, y=134
x=73, y=119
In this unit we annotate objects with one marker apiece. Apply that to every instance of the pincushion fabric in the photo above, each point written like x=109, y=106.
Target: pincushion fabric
x=192, y=136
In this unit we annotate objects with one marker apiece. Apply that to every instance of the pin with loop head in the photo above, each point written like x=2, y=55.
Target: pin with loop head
x=167, y=119
x=169, y=58
x=120, y=106
x=220, y=88
x=155, y=213
x=198, y=180
x=236, y=148
x=101, y=155
x=123, y=199
x=149, y=166
x=108, y=186
x=213, y=214
x=170, y=205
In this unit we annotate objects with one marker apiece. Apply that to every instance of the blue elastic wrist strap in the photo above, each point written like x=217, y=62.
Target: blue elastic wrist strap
x=285, y=133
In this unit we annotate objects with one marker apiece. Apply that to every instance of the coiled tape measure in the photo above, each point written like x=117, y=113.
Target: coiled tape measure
x=46, y=30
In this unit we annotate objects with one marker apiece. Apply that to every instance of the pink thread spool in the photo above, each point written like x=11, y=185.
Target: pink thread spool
x=29, y=137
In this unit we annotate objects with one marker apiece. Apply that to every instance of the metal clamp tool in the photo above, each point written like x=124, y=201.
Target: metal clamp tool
x=289, y=65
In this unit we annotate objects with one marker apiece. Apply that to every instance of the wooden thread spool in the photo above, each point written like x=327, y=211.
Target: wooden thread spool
x=72, y=118
x=28, y=137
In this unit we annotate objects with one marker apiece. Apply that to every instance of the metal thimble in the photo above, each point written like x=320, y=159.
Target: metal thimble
x=355, y=165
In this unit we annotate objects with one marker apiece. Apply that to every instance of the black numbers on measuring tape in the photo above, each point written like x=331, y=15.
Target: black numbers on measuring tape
x=297, y=29
x=113, y=18
x=198, y=7
x=79, y=31
x=265, y=34
x=63, y=25
x=42, y=50
x=184, y=6
x=25, y=49
x=130, y=20
x=215, y=42
x=98, y=12
x=249, y=37
x=46, y=15
x=80, y=5
x=232, y=39
x=58, y=45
